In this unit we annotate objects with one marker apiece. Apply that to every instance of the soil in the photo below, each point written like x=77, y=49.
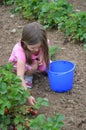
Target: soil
x=71, y=104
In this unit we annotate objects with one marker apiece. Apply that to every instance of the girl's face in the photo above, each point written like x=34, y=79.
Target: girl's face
x=34, y=48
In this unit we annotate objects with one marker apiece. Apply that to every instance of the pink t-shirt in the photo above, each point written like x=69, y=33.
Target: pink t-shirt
x=18, y=54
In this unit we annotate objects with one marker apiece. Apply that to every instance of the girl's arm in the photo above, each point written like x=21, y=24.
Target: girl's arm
x=20, y=72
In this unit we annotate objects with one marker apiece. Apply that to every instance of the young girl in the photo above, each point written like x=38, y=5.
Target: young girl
x=30, y=54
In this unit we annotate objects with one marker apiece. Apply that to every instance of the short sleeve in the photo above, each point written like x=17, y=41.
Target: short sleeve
x=19, y=53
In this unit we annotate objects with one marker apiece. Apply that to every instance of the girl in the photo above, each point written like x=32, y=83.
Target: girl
x=31, y=54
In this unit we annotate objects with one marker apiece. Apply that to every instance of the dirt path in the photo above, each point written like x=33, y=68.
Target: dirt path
x=71, y=104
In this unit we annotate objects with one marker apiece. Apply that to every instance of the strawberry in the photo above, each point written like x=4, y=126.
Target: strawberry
x=29, y=109
x=6, y=111
x=34, y=112
x=15, y=128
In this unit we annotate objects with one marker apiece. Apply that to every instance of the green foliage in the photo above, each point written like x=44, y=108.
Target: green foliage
x=46, y=12
x=53, y=13
x=59, y=14
x=11, y=91
x=75, y=26
x=51, y=123
x=12, y=96
x=52, y=51
x=41, y=102
x=12, y=99
x=13, y=110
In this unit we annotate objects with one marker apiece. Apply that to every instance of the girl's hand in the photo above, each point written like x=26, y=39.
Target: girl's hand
x=40, y=61
x=31, y=100
x=34, y=66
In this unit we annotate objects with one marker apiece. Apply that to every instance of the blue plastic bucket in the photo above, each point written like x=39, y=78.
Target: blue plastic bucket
x=61, y=75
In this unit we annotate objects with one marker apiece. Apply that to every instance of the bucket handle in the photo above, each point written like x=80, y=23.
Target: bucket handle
x=55, y=73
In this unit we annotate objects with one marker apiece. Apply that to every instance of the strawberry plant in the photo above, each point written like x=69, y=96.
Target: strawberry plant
x=53, y=13
x=51, y=123
x=57, y=13
x=13, y=110
x=75, y=26
x=52, y=51
x=12, y=96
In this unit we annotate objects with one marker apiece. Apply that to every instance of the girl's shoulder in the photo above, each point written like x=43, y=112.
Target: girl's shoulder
x=18, y=47
x=18, y=52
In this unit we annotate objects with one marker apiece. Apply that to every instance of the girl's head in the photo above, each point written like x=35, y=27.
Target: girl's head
x=33, y=38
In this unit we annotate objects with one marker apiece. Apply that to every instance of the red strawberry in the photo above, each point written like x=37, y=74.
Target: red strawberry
x=6, y=111
x=15, y=128
x=34, y=112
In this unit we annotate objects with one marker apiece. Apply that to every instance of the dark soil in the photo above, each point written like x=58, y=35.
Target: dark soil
x=71, y=104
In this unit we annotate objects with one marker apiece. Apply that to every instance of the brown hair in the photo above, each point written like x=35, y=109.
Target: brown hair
x=32, y=34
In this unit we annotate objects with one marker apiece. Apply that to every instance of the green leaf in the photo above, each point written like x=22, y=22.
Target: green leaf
x=7, y=104
x=2, y=111
x=53, y=50
x=45, y=102
x=18, y=119
x=1, y=101
x=3, y=88
x=41, y=102
x=19, y=127
x=38, y=122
